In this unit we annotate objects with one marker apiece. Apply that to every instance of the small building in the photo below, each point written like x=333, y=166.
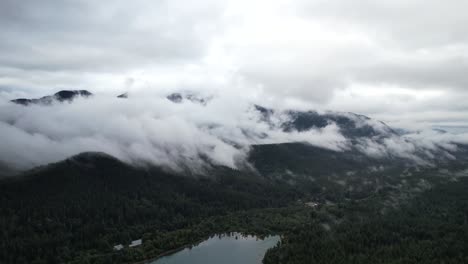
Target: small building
x=135, y=243
x=118, y=247
x=312, y=204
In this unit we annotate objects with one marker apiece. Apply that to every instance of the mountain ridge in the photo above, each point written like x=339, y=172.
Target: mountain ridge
x=60, y=96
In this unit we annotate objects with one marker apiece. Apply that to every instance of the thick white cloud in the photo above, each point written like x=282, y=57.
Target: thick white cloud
x=144, y=129
x=147, y=128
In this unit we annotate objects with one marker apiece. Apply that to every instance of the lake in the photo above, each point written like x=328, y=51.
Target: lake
x=223, y=249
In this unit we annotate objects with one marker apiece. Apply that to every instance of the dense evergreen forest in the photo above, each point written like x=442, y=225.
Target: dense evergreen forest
x=431, y=228
x=75, y=211
x=87, y=204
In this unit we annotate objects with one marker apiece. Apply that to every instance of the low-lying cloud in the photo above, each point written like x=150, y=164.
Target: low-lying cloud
x=144, y=130
x=150, y=129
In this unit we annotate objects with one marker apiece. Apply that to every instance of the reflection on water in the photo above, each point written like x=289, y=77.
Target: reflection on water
x=234, y=249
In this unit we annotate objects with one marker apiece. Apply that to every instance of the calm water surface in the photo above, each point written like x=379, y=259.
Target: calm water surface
x=223, y=250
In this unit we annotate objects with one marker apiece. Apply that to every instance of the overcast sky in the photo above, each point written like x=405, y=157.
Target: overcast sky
x=400, y=61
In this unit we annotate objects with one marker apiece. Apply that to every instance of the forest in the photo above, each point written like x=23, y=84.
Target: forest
x=75, y=211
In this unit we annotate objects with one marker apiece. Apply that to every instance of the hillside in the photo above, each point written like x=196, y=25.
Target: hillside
x=92, y=201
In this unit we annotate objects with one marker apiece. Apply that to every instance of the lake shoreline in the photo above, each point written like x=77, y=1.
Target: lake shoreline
x=170, y=252
x=181, y=248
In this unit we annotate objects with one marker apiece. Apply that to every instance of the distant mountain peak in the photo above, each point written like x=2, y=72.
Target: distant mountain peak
x=61, y=96
x=71, y=94
x=180, y=97
x=124, y=95
x=351, y=125
x=175, y=97
x=23, y=101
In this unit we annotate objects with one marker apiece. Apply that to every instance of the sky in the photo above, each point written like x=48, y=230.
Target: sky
x=400, y=61
x=404, y=62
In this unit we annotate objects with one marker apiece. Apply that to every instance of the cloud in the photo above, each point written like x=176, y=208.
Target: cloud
x=426, y=147
x=100, y=36
x=369, y=57
x=144, y=130
x=402, y=22
x=149, y=129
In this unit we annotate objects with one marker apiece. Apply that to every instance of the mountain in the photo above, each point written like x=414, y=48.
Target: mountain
x=192, y=97
x=61, y=96
x=351, y=125
x=360, y=134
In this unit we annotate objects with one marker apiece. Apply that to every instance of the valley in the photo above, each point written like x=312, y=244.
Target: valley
x=233, y=132
x=364, y=194
x=77, y=210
